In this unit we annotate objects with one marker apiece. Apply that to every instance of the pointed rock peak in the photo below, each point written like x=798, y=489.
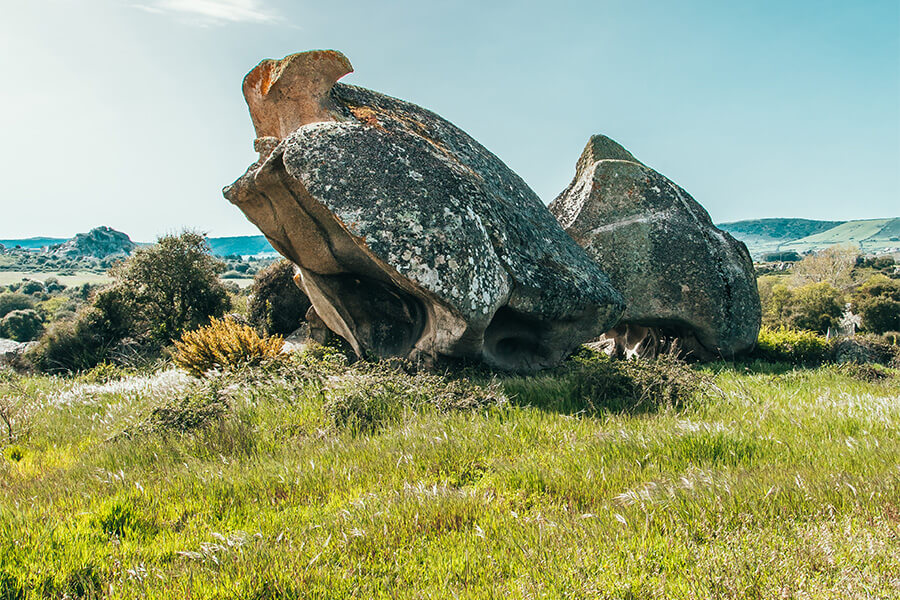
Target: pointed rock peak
x=600, y=147
x=286, y=94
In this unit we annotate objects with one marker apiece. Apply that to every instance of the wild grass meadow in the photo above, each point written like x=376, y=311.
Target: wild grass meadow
x=314, y=479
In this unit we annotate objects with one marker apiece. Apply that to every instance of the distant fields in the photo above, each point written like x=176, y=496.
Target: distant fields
x=869, y=235
x=79, y=278
x=803, y=235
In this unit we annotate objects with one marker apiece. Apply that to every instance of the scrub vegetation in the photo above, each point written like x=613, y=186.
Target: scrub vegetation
x=307, y=477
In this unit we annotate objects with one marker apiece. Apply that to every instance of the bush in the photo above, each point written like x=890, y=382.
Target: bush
x=90, y=339
x=173, y=286
x=159, y=292
x=602, y=383
x=21, y=325
x=31, y=287
x=10, y=301
x=792, y=346
x=224, y=344
x=277, y=305
x=865, y=349
x=816, y=307
x=877, y=302
x=372, y=395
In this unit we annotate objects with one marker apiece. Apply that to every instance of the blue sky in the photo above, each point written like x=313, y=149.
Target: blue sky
x=129, y=113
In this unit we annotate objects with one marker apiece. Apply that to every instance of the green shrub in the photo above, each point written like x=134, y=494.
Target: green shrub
x=792, y=346
x=877, y=302
x=10, y=301
x=202, y=407
x=31, y=287
x=371, y=395
x=160, y=291
x=104, y=373
x=277, y=304
x=172, y=286
x=605, y=384
x=21, y=325
x=90, y=339
x=224, y=344
x=816, y=307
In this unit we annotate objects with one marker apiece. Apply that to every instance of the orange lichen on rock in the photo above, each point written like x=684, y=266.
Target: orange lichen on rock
x=294, y=91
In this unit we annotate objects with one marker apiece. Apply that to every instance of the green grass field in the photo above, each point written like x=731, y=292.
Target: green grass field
x=79, y=278
x=772, y=483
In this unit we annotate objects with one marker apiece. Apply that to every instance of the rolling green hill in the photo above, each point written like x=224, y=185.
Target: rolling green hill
x=870, y=235
x=803, y=235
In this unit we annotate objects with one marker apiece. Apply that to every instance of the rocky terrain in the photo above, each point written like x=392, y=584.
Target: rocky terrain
x=413, y=240
x=99, y=242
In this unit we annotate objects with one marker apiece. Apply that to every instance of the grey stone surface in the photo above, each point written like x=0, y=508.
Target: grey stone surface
x=411, y=238
x=683, y=279
x=99, y=242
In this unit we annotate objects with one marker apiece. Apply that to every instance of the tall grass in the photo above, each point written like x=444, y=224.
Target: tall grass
x=318, y=480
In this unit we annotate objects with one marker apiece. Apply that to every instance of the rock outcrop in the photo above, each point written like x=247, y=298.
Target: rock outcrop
x=684, y=280
x=99, y=242
x=12, y=352
x=411, y=238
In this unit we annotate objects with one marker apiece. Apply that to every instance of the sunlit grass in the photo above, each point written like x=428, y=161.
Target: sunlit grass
x=772, y=483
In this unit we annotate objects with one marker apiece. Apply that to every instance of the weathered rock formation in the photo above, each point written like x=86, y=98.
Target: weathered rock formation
x=684, y=280
x=411, y=238
x=99, y=242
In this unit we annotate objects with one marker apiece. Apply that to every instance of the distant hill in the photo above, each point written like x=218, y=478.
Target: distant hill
x=91, y=243
x=243, y=245
x=33, y=243
x=763, y=236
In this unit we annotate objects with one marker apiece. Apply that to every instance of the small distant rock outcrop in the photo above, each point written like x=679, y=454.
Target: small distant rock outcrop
x=13, y=352
x=411, y=238
x=685, y=282
x=99, y=242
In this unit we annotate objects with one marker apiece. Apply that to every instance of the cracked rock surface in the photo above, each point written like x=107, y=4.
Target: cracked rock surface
x=684, y=280
x=411, y=238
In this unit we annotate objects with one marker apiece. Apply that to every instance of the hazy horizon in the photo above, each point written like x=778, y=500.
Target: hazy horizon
x=128, y=113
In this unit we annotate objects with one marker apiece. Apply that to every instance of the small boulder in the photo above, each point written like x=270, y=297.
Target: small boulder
x=685, y=282
x=411, y=238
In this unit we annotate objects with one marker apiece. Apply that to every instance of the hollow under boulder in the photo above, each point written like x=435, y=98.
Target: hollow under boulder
x=686, y=283
x=411, y=238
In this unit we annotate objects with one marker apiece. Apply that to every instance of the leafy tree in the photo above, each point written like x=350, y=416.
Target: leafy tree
x=277, y=305
x=173, y=286
x=776, y=300
x=816, y=307
x=833, y=265
x=159, y=292
x=21, y=325
x=10, y=301
x=877, y=302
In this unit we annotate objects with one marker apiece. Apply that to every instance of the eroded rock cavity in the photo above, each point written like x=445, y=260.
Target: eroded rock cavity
x=410, y=237
x=687, y=284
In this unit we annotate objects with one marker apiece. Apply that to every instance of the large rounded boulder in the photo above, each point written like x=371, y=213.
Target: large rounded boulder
x=685, y=282
x=411, y=238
